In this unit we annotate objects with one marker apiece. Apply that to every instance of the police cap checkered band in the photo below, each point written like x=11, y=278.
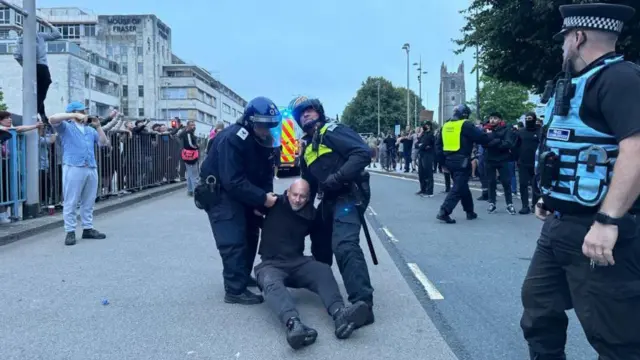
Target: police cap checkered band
x=593, y=22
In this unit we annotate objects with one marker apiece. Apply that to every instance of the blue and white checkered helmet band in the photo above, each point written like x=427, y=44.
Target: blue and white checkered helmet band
x=593, y=22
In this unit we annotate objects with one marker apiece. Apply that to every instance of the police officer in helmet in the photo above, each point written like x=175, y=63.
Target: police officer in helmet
x=238, y=173
x=334, y=158
x=453, y=149
x=588, y=254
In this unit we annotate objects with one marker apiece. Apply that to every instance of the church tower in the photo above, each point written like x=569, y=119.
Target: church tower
x=452, y=92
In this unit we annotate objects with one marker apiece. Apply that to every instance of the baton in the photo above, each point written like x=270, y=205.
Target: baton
x=363, y=221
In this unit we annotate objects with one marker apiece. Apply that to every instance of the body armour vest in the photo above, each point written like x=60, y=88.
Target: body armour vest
x=311, y=154
x=576, y=159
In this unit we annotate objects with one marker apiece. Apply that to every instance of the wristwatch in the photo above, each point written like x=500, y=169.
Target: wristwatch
x=605, y=219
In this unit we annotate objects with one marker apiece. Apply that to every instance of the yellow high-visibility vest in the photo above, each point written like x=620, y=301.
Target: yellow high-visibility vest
x=451, y=135
x=310, y=155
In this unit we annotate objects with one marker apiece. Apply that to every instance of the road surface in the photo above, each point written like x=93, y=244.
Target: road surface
x=473, y=270
x=153, y=290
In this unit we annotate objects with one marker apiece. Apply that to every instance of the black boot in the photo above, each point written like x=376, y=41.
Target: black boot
x=246, y=298
x=252, y=282
x=442, y=216
x=349, y=318
x=472, y=215
x=93, y=234
x=70, y=239
x=370, y=318
x=299, y=335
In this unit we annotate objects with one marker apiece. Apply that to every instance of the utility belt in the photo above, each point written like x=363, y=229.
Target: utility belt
x=579, y=175
x=207, y=193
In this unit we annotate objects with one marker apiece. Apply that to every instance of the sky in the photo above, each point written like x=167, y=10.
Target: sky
x=325, y=49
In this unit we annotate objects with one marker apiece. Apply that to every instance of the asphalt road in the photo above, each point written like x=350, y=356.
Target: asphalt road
x=153, y=290
x=471, y=272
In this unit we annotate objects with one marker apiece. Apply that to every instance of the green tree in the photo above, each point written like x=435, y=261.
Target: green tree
x=516, y=38
x=361, y=114
x=507, y=98
x=3, y=106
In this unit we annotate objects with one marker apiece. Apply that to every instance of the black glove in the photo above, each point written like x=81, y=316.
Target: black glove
x=333, y=182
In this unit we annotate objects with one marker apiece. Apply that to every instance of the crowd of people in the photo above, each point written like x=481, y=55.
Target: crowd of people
x=512, y=167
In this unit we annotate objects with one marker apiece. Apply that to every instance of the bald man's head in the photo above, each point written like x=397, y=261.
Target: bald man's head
x=298, y=194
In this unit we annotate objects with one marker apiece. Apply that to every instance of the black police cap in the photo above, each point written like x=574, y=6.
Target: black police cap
x=602, y=17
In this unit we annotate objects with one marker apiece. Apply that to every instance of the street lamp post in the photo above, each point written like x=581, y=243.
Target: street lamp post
x=420, y=72
x=31, y=206
x=406, y=47
x=378, y=107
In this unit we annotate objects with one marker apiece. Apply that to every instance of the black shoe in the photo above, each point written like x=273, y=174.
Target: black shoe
x=190, y=193
x=370, y=319
x=445, y=217
x=299, y=335
x=472, y=215
x=491, y=209
x=420, y=193
x=511, y=210
x=70, y=239
x=349, y=318
x=524, y=211
x=93, y=234
x=246, y=298
x=252, y=282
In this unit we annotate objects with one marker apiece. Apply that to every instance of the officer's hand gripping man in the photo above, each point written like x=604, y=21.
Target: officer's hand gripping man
x=334, y=158
x=238, y=178
x=588, y=254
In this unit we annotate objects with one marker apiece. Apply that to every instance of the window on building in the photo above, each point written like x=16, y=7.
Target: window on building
x=89, y=30
x=453, y=98
x=125, y=90
x=140, y=68
x=41, y=28
x=139, y=51
x=226, y=108
x=172, y=113
x=125, y=111
x=125, y=69
x=56, y=47
x=140, y=90
x=234, y=113
x=175, y=93
x=453, y=84
x=109, y=50
x=69, y=31
x=5, y=16
x=19, y=19
x=140, y=112
x=214, y=103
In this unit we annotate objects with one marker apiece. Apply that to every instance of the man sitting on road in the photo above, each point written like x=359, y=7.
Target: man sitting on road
x=285, y=227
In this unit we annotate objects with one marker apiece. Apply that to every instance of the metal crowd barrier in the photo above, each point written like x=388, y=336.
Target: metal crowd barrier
x=135, y=161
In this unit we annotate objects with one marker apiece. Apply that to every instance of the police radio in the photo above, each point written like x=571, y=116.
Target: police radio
x=548, y=92
x=564, y=92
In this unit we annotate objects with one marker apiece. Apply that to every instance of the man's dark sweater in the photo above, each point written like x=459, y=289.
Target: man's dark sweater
x=284, y=230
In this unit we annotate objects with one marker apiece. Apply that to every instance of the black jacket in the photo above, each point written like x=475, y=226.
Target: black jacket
x=427, y=143
x=502, y=152
x=529, y=142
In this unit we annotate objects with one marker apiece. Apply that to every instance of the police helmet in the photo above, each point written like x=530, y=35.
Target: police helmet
x=263, y=119
x=461, y=112
x=304, y=105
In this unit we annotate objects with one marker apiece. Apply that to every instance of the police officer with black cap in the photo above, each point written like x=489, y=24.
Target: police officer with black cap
x=236, y=185
x=588, y=254
x=334, y=159
x=453, y=149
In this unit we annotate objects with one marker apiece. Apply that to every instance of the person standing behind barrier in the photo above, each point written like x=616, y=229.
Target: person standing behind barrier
x=80, y=170
x=238, y=177
x=190, y=155
x=43, y=76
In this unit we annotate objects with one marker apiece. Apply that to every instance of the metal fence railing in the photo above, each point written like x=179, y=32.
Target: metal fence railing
x=133, y=162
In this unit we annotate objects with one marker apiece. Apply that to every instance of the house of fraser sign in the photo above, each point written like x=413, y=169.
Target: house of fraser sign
x=123, y=24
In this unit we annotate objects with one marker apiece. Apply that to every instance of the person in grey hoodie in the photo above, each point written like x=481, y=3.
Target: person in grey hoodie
x=43, y=76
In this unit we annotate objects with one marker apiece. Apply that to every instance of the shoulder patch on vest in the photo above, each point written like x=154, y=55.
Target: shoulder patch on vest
x=242, y=133
x=558, y=134
x=331, y=127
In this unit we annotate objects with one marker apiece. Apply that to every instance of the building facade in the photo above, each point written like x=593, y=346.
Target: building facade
x=452, y=92
x=146, y=80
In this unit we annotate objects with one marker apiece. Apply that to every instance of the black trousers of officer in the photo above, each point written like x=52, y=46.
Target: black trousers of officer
x=460, y=169
x=43, y=81
x=274, y=276
x=337, y=231
x=505, y=180
x=236, y=233
x=606, y=299
x=425, y=172
x=526, y=175
x=447, y=180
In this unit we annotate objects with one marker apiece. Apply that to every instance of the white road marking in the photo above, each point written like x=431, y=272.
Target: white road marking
x=428, y=286
x=390, y=235
x=372, y=211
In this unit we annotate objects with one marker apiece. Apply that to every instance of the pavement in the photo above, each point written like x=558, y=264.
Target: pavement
x=468, y=275
x=153, y=290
